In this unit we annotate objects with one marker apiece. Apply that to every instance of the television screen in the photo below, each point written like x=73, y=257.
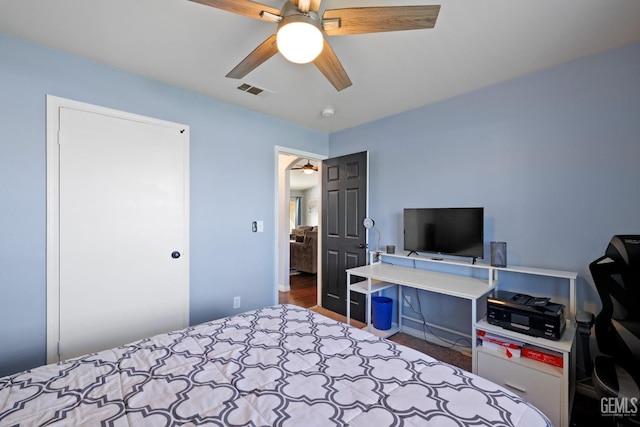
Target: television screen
x=448, y=231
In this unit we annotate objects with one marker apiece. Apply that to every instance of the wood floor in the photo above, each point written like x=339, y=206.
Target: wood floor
x=304, y=290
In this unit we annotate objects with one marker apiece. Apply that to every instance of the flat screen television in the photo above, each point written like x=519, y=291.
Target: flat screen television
x=447, y=231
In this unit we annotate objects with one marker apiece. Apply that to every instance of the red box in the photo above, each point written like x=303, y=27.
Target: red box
x=542, y=356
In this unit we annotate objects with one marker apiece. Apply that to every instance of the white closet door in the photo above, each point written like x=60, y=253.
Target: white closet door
x=123, y=194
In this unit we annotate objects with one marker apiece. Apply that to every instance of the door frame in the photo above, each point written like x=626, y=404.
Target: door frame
x=282, y=191
x=54, y=104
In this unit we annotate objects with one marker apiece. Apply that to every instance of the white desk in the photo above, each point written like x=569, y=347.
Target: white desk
x=381, y=276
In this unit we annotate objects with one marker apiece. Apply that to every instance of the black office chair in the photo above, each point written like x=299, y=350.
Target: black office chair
x=616, y=373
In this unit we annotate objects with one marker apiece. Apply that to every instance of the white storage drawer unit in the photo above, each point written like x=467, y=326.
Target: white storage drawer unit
x=541, y=389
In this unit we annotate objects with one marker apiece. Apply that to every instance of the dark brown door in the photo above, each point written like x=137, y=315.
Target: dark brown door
x=344, y=205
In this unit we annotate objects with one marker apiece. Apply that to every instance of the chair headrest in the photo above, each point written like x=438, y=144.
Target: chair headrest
x=625, y=249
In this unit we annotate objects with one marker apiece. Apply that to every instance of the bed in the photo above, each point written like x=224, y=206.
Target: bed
x=276, y=366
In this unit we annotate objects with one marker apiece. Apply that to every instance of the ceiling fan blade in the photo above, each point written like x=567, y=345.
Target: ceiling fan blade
x=329, y=65
x=360, y=20
x=259, y=55
x=241, y=7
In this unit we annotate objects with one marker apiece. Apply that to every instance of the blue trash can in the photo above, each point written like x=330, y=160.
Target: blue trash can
x=382, y=307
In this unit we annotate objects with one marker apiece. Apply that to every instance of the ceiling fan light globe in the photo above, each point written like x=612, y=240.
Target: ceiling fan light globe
x=308, y=171
x=300, y=42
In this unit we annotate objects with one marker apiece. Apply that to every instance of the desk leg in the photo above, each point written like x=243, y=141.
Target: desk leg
x=474, y=320
x=572, y=298
x=368, y=308
x=400, y=307
x=348, y=298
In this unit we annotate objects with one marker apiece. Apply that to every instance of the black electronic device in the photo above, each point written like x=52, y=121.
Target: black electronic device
x=447, y=231
x=538, y=317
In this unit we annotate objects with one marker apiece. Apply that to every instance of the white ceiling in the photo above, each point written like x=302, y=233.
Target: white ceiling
x=474, y=44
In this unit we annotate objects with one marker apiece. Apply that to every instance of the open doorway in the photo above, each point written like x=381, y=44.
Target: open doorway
x=304, y=196
x=342, y=241
x=299, y=220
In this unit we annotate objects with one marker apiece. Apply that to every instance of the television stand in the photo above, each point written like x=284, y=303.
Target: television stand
x=413, y=252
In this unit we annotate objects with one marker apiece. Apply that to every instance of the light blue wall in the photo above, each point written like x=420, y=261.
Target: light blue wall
x=551, y=156
x=554, y=157
x=227, y=259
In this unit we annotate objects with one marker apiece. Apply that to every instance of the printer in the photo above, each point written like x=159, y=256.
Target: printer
x=538, y=317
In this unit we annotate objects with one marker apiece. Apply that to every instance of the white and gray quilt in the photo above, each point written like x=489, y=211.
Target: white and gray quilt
x=277, y=366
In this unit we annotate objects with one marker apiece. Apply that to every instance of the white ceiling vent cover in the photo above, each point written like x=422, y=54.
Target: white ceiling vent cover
x=255, y=90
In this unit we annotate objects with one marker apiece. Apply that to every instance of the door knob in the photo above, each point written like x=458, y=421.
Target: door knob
x=175, y=254
x=362, y=246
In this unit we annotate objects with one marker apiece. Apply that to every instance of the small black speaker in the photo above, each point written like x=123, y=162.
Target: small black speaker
x=499, y=254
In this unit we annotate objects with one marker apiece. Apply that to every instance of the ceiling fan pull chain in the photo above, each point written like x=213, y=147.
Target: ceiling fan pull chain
x=304, y=5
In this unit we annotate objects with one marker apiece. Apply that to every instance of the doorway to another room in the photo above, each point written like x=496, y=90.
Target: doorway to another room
x=338, y=235
x=302, y=199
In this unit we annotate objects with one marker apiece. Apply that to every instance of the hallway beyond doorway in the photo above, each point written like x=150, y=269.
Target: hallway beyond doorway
x=303, y=290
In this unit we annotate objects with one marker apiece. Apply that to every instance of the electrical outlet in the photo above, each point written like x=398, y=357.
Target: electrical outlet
x=236, y=302
x=407, y=300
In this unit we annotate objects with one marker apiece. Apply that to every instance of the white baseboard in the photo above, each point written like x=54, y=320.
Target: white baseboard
x=282, y=288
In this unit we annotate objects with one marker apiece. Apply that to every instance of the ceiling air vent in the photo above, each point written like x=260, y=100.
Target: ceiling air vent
x=254, y=90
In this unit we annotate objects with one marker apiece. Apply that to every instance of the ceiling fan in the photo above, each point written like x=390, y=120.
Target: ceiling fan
x=300, y=35
x=308, y=168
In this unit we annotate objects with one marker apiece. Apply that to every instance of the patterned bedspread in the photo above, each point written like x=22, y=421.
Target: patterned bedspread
x=278, y=366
